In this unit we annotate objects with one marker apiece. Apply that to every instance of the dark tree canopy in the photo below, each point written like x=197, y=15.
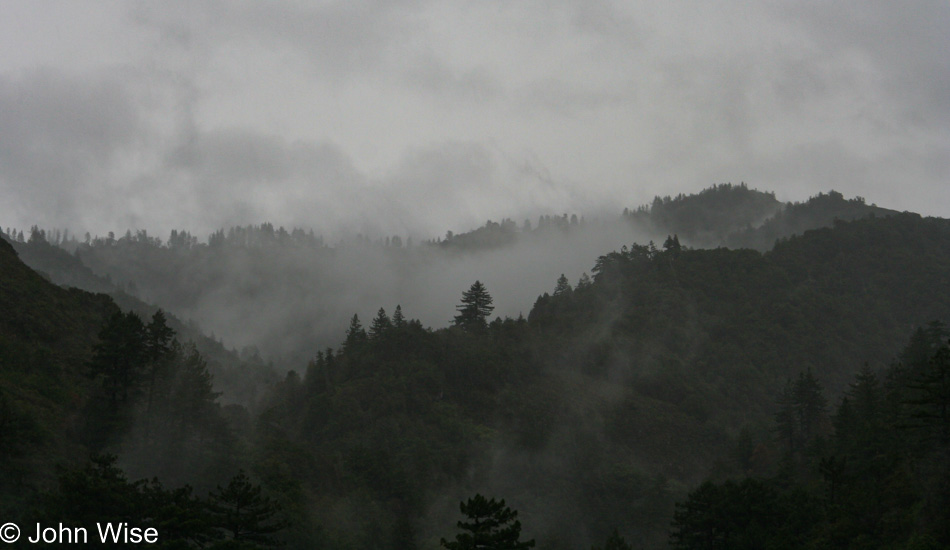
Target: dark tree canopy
x=381, y=323
x=355, y=335
x=491, y=526
x=118, y=356
x=672, y=244
x=243, y=513
x=475, y=307
x=398, y=319
x=732, y=515
x=802, y=412
x=159, y=336
x=563, y=286
x=697, y=343
x=614, y=542
x=929, y=403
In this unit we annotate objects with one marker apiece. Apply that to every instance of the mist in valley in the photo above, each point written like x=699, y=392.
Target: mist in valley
x=289, y=301
x=244, y=181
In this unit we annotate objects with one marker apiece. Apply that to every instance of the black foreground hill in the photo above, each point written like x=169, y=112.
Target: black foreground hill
x=82, y=382
x=240, y=375
x=46, y=336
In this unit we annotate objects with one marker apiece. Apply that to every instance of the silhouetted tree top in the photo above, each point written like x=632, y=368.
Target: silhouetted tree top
x=475, y=307
x=672, y=244
x=614, y=542
x=159, y=336
x=243, y=513
x=355, y=334
x=491, y=526
x=381, y=323
x=398, y=319
x=584, y=281
x=563, y=286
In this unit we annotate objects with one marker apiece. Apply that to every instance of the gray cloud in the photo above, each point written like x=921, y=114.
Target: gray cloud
x=59, y=134
x=432, y=75
x=417, y=117
x=338, y=36
x=904, y=45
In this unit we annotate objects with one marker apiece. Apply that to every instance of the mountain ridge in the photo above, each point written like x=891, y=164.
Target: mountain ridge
x=279, y=290
x=600, y=409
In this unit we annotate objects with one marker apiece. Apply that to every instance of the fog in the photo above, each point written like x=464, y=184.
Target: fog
x=366, y=121
x=291, y=301
x=417, y=117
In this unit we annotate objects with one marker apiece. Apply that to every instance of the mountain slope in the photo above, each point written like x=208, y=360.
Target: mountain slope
x=707, y=218
x=794, y=219
x=240, y=377
x=283, y=291
x=46, y=337
x=598, y=411
x=739, y=217
x=614, y=396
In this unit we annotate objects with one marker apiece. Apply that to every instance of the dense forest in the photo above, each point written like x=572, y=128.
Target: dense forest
x=283, y=291
x=789, y=394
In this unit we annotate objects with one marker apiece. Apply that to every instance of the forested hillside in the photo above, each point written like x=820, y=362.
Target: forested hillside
x=670, y=375
x=280, y=290
x=46, y=336
x=739, y=217
x=613, y=398
x=869, y=470
x=709, y=217
x=85, y=389
x=241, y=375
x=821, y=210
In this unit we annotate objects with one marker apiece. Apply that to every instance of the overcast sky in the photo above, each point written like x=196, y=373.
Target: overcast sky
x=414, y=117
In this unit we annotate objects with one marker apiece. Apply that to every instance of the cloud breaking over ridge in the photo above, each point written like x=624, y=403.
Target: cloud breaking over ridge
x=415, y=117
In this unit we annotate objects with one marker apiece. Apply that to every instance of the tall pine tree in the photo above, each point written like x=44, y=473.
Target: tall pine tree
x=491, y=526
x=475, y=308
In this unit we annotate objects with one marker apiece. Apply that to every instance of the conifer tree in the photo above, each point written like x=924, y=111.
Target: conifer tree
x=330, y=374
x=475, y=307
x=672, y=245
x=119, y=355
x=563, y=286
x=193, y=398
x=811, y=406
x=785, y=418
x=802, y=410
x=316, y=370
x=158, y=336
x=355, y=335
x=491, y=526
x=860, y=419
x=381, y=323
x=243, y=513
x=614, y=542
x=930, y=399
x=584, y=281
x=398, y=319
